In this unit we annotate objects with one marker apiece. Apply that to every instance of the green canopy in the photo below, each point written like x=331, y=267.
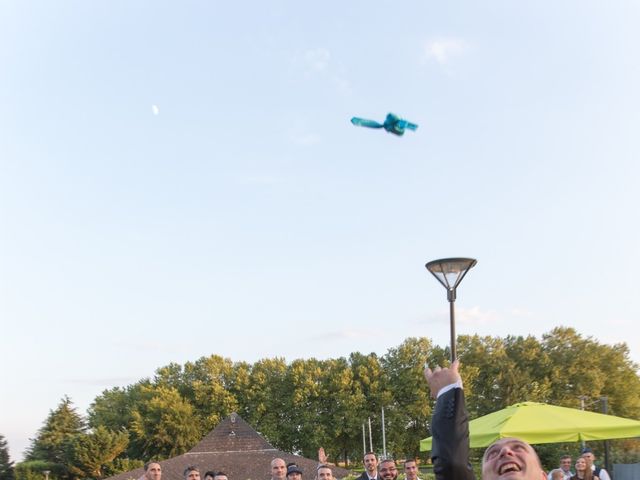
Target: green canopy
x=542, y=423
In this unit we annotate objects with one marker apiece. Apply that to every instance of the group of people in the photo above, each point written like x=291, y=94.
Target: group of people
x=585, y=468
x=291, y=471
x=505, y=459
x=153, y=471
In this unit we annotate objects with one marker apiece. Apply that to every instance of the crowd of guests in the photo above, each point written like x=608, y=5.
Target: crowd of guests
x=387, y=469
x=505, y=459
x=585, y=468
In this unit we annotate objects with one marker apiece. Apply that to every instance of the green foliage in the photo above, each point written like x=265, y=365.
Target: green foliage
x=407, y=416
x=89, y=454
x=163, y=424
x=6, y=465
x=60, y=427
x=34, y=470
x=308, y=403
x=121, y=465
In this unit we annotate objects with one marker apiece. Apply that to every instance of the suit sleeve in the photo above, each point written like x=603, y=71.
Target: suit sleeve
x=450, y=432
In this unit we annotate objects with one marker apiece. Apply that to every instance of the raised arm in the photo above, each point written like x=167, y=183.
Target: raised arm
x=449, y=425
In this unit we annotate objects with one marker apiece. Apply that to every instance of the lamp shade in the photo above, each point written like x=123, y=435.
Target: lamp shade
x=450, y=271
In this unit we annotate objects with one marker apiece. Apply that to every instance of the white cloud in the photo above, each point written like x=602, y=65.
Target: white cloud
x=442, y=50
x=476, y=316
x=155, y=110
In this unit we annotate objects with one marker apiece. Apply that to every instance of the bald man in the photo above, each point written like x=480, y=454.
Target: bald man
x=278, y=469
x=506, y=459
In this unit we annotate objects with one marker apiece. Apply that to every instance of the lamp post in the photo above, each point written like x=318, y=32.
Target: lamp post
x=450, y=272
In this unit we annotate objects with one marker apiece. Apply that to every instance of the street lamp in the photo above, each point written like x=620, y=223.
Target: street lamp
x=450, y=272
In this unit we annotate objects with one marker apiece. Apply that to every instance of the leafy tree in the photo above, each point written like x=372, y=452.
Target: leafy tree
x=373, y=381
x=343, y=406
x=34, y=470
x=408, y=416
x=163, y=424
x=208, y=382
x=89, y=454
x=61, y=425
x=121, y=465
x=6, y=465
x=114, y=408
x=266, y=398
x=305, y=404
x=305, y=431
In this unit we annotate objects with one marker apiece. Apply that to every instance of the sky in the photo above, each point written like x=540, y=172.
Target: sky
x=181, y=179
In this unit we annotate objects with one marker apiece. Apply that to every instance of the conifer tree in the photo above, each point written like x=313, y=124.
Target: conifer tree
x=6, y=466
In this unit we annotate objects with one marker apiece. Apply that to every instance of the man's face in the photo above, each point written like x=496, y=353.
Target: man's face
x=294, y=476
x=278, y=469
x=411, y=470
x=388, y=470
x=208, y=477
x=565, y=464
x=193, y=475
x=371, y=463
x=512, y=459
x=589, y=457
x=325, y=474
x=154, y=471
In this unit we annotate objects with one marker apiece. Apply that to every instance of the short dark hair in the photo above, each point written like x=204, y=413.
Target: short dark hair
x=210, y=473
x=220, y=473
x=146, y=465
x=386, y=460
x=409, y=460
x=189, y=469
x=370, y=453
x=565, y=456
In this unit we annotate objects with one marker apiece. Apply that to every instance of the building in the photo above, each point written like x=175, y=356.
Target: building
x=235, y=448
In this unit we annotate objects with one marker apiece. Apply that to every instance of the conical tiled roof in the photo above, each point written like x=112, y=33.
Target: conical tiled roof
x=235, y=448
x=233, y=434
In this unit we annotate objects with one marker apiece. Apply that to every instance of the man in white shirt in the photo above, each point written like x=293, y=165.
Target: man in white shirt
x=411, y=469
x=565, y=466
x=601, y=473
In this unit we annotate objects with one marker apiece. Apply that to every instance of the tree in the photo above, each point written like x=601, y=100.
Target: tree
x=6, y=465
x=163, y=424
x=409, y=414
x=343, y=406
x=33, y=470
x=265, y=401
x=208, y=382
x=61, y=425
x=89, y=454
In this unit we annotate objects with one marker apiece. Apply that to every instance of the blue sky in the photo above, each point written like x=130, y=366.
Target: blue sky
x=179, y=179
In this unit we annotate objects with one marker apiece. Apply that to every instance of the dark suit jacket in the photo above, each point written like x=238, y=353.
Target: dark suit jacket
x=364, y=476
x=450, y=432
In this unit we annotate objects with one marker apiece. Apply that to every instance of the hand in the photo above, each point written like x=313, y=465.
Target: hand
x=322, y=457
x=441, y=377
